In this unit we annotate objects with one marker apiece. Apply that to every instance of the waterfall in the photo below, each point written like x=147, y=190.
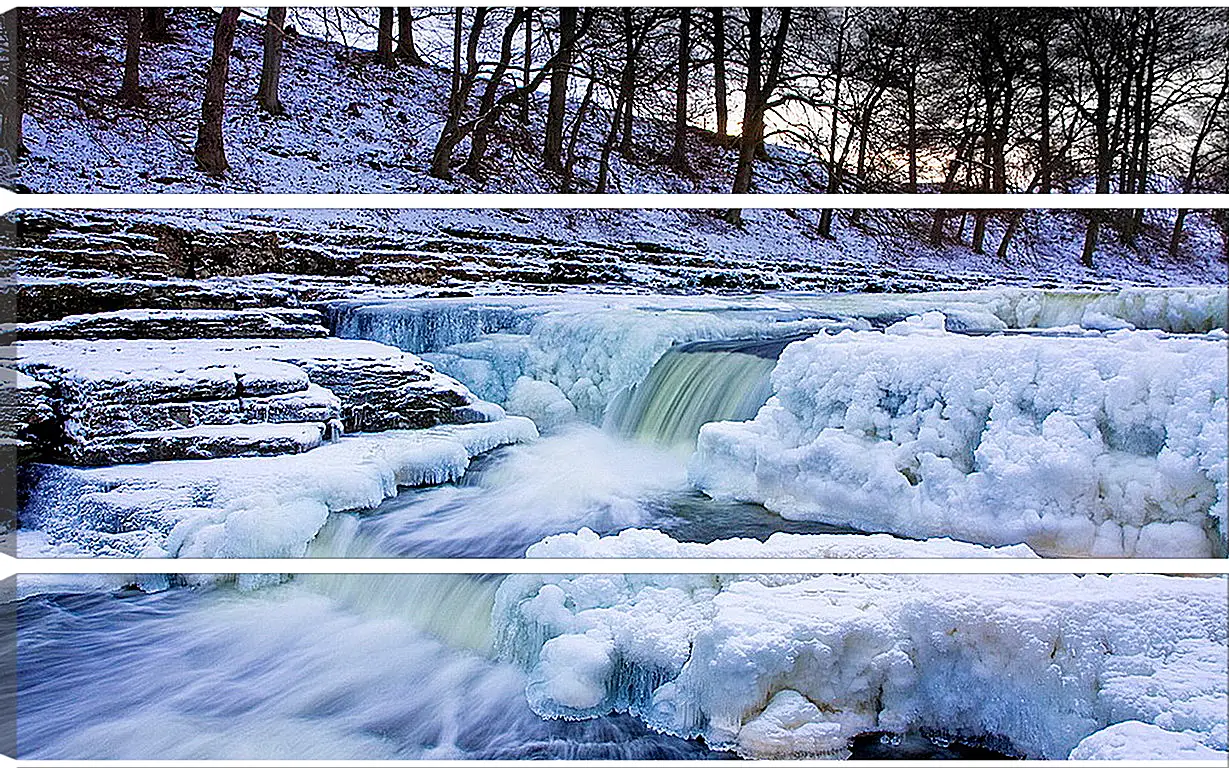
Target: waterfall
x=454, y=608
x=694, y=384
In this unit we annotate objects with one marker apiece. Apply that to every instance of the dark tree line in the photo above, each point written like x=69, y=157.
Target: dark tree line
x=907, y=99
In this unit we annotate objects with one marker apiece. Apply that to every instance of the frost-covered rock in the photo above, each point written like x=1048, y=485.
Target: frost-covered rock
x=153, y=400
x=1104, y=445
x=244, y=507
x=643, y=543
x=26, y=415
x=277, y=323
x=794, y=666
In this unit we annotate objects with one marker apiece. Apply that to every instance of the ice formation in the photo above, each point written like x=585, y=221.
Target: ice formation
x=794, y=666
x=245, y=507
x=594, y=347
x=641, y=542
x=1104, y=445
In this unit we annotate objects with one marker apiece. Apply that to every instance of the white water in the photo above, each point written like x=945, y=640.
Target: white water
x=321, y=668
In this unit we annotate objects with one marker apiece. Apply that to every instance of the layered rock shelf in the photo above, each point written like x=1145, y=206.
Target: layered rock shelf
x=121, y=401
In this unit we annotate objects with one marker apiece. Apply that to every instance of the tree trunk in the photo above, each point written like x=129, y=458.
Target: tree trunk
x=1013, y=224
x=130, y=91
x=528, y=68
x=156, y=25
x=678, y=154
x=406, y=51
x=1046, y=77
x=1090, y=238
x=384, y=41
x=1175, y=237
x=557, y=109
x=569, y=167
x=627, y=85
x=271, y=67
x=451, y=135
x=759, y=89
x=979, y=232
x=14, y=93
x=719, y=85
x=751, y=115
x=911, y=116
x=209, y=152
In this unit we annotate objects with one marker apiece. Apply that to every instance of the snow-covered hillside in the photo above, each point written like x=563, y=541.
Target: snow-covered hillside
x=351, y=125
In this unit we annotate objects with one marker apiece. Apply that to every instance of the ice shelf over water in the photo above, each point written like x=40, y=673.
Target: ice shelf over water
x=242, y=507
x=1105, y=445
x=794, y=666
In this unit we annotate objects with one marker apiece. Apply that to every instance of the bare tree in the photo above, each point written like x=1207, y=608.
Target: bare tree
x=210, y=152
x=557, y=106
x=481, y=132
x=759, y=90
x=130, y=91
x=271, y=66
x=462, y=85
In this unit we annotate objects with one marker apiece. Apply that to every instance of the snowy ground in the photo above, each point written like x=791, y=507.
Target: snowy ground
x=351, y=126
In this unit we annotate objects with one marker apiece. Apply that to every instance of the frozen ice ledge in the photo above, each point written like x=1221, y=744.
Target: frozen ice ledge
x=1125, y=666
x=268, y=506
x=1090, y=445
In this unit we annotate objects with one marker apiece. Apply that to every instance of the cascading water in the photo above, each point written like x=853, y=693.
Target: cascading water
x=337, y=667
x=693, y=384
x=356, y=667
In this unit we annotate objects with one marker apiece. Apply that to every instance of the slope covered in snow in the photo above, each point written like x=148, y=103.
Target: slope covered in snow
x=351, y=125
x=795, y=666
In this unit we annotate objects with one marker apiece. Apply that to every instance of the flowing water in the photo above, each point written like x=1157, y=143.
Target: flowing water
x=321, y=667
x=339, y=667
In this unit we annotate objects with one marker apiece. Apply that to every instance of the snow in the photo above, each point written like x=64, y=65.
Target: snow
x=1104, y=444
x=794, y=666
x=648, y=543
x=245, y=507
x=1135, y=741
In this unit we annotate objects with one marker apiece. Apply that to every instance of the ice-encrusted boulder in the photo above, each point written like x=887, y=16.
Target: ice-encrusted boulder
x=239, y=507
x=793, y=666
x=1096, y=444
x=280, y=323
x=150, y=400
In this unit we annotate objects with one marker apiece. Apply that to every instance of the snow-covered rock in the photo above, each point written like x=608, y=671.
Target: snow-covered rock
x=641, y=542
x=277, y=323
x=794, y=666
x=243, y=507
x=1104, y=445
x=26, y=415
x=151, y=400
